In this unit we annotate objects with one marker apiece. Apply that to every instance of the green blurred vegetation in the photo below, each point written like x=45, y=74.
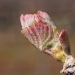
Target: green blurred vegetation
x=17, y=55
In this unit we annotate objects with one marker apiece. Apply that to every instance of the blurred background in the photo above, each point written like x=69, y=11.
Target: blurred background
x=17, y=55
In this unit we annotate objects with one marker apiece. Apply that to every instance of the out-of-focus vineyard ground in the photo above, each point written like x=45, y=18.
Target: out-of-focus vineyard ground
x=17, y=55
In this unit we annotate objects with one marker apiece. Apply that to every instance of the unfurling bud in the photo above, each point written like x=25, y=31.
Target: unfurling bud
x=43, y=34
x=37, y=28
